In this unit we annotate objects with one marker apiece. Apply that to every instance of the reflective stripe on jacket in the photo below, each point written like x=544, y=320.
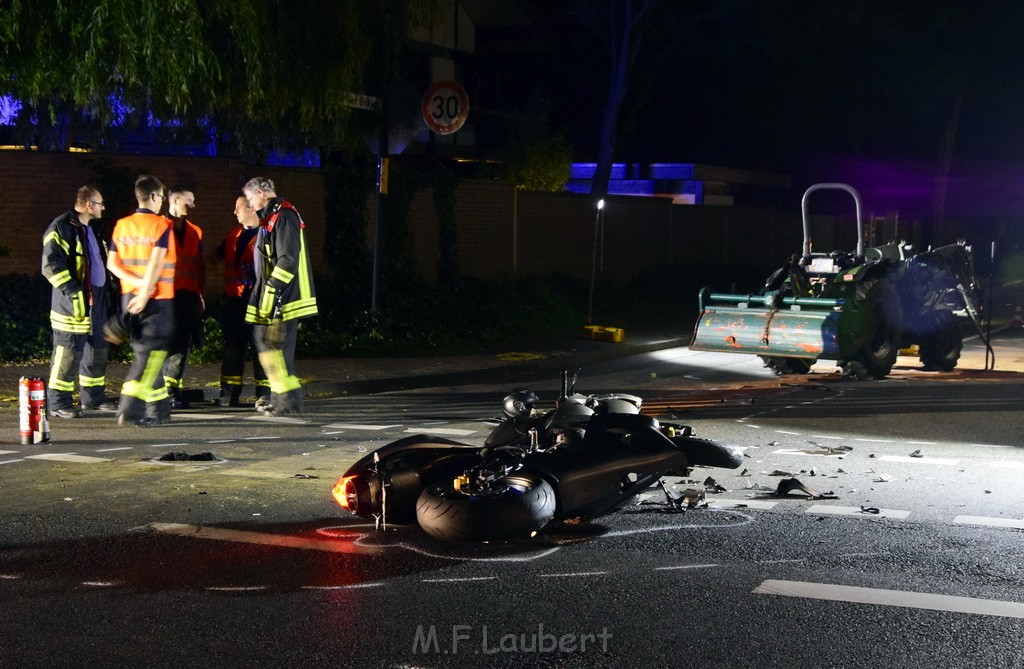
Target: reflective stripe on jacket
x=134, y=239
x=65, y=266
x=284, y=280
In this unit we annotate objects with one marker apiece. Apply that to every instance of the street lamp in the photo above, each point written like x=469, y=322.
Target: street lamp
x=593, y=262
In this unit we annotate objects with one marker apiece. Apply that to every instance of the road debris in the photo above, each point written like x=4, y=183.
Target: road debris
x=787, y=486
x=181, y=456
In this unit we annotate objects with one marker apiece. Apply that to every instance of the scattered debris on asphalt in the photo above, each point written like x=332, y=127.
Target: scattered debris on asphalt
x=787, y=486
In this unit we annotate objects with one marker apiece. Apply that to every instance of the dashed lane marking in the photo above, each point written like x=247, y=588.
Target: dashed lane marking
x=906, y=599
x=119, y=448
x=923, y=460
x=855, y=511
x=66, y=457
x=989, y=522
x=818, y=453
x=7, y=452
x=686, y=566
x=356, y=426
x=279, y=419
x=1004, y=464
x=10, y=462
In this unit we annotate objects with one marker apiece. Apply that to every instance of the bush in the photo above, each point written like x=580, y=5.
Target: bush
x=24, y=318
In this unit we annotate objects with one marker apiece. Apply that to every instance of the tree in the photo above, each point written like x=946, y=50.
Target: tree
x=271, y=72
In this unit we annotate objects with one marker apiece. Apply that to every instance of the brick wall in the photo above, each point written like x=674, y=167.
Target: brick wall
x=498, y=231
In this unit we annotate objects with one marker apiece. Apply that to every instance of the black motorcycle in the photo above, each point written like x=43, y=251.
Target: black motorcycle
x=585, y=458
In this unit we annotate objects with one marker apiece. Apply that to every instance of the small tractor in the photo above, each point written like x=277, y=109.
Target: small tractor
x=859, y=309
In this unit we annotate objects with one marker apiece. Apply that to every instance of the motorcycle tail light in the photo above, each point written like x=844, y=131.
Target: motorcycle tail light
x=344, y=493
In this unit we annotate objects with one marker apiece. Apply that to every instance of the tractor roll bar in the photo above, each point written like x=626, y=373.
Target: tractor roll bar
x=807, y=223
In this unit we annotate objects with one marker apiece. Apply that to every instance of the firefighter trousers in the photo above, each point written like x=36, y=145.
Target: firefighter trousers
x=278, y=360
x=144, y=393
x=77, y=355
x=238, y=338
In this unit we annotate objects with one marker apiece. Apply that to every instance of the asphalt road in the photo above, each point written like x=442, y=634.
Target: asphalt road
x=111, y=557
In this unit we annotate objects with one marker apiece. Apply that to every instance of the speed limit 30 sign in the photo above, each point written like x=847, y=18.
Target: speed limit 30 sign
x=445, y=107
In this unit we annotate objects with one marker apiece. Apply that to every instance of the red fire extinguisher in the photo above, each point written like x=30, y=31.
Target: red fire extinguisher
x=35, y=427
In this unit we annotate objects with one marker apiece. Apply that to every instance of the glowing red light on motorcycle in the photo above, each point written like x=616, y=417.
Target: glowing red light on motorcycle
x=344, y=493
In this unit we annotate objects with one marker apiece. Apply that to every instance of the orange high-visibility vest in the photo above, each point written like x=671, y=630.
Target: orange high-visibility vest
x=134, y=239
x=239, y=264
x=186, y=272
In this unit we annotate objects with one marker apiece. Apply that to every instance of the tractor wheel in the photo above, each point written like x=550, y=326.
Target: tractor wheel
x=515, y=508
x=787, y=365
x=883, y=324
x=940, y=350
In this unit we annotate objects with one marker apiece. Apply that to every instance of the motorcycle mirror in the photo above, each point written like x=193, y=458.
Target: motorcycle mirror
x=572, y=386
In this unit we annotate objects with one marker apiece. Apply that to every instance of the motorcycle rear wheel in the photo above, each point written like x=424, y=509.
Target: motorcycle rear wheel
x=518, y=506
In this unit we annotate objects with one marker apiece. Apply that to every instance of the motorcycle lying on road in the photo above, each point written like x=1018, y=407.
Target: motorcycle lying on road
x=587, y=457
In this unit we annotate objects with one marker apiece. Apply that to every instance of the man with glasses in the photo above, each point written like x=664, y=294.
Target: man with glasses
x=142, y=255
x=74, y=264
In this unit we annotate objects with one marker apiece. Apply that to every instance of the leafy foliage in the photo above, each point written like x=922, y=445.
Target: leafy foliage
x=270, y=72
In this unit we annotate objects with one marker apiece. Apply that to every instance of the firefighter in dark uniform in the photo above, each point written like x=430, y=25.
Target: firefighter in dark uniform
x=142, y=254
x=237, y=251
x=283, y=294
x=75, y=265
x=189, y=284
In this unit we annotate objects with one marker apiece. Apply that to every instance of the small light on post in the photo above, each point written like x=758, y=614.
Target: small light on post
x=593, y=263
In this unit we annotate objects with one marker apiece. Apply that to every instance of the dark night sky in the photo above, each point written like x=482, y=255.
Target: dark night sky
x=820, y=90
x=773, y=84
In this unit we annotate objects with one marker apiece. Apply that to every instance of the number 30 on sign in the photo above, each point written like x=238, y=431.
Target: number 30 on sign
x=445, y=107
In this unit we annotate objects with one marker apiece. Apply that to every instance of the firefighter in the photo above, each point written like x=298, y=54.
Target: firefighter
x=237, y=251
x=189, y=284
x=283, y=294
x=73, y=262
x=142, y=255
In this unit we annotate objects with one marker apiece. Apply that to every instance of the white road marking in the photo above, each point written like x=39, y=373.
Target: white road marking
x=907, y=458
x=255, y=438
x=458, y=580
x=824, y=436
x=876, y=441
x=685, y=566
x=787, y=432
x=445, y=430
x=913, y=600
x=353, y=426
x=7, y=452
x=246, y=537
x=166, y=445
x=1006, y=464
x=220, y=441
x=8, y=462
x=924, y=443
x=581, y=573
x=817, y=453
x=119, y=448
x=335, y=432
x=279, y=419
x=856, y=511
x=741, y=504
x=989, y=522
x=237, y=588
x=342, y=587
x=66, y=457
